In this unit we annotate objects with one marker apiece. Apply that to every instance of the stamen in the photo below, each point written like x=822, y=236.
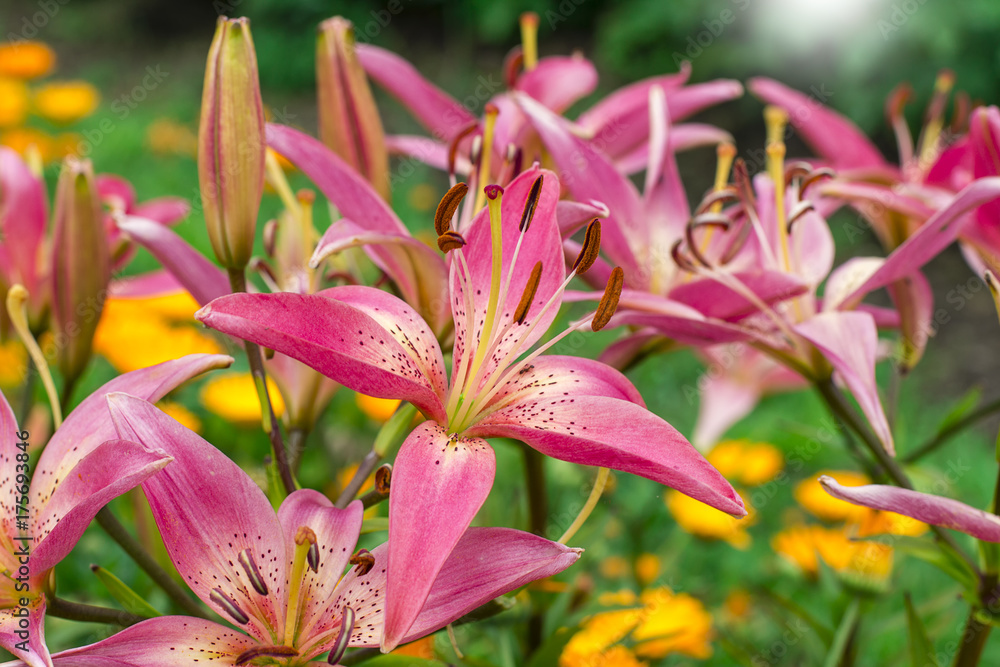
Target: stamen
x=960, y=117
x=344, y=638
x=276, y=177
x=253, y=574
x=312, y=557
x=228, y=605
x=486, y=154
x=306, y=199
x=815, y=175
x=305, y=541
x=450, y=241
x=935, y=116
x=383, y=478
x=265, y=652
x=364, y=560
x=609, y=302
x=776, y=119
x=529, y=293
x=680, y=259
x=512, y=66
x=530, y=205
x=894, y=104
x=591, y=248
x=800, y=209
x=449, y=204
x=453, y=145
x=529, y=39
x=270, y=236
x=17, y=310
x=264, y=270
x=725, y=153
x=714, y=200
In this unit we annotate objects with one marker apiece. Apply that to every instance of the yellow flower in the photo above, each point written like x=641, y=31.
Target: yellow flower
x=745, y=462
x=26, y=60
x=21, y=138
x=66, y=102
x=13, y=102
x=13, y=364
x=647, y=568
x=138, y=332
x=737, y=604
x=614, y=567
x=169, y=137
x=805, y=546
x=707, y=522
x=673, y=623
x=377, y=409
x=181, y=414
x=234, y=397
x=813, y=498
x=422, y=648
x=423, y=197
x=598, y=633
x=881, y=523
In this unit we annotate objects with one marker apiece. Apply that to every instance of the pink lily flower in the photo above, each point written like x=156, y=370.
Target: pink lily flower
x=507, y=278
x=751, y=275
x=83, y=467
x=279, y=577
x=982, y=239
x=925, y=507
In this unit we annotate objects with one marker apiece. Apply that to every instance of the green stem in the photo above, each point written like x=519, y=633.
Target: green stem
x=950, y=431
x=66, y=395
x=973, y=641
x=238, y=280
x=841, y=409
x=296, y=446
x=144, y=560
x=538, y=512
x=74, y=611
x=28, y=393
x=365, y=468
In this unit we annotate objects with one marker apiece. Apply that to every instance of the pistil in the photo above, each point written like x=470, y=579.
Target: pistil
x=529, y=39
x=17, y=299
x=485, y=153
x=306, y=553
x=776, y=119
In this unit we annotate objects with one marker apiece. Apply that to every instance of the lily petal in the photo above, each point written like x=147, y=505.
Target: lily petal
x=23, y=216
x=683, y=137
x=440, y=113
x=610, y=108
x=166, y=641
x=831, y=135
x=392, y=355
x=438, y=484
x=204, y=543
x=87, y=426
x=605, y=431
x=925, y=507
x=914, y=301
x=573, y=215
x=426, y=150
x=199, y=276
x=37, y=654
x=718, y=300
x=849, y=341
x=559, y=81
x=164, y=210
x=675, y=320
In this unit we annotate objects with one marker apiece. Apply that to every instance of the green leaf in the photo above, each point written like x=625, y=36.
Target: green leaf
x=126, y=596
x=548, y=653
x=942, y=557
x=962, y=407
x=400, y=661
x=841, y=639
x=374, y=525
x=921, y=649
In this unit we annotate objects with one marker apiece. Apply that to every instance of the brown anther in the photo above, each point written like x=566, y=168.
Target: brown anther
x=456, y=140
x=228, y=605
x=795, y=170
x=305, y=534
x=364, y=560
x=265, y=652
x=306, y=196
x=739, y=240
x=270, y=236
x=898, y=99
x=741, y=179
x=590, y=249
x=680, y=259
x=449, y=204
x=312, y=557
x=530, y=288
x=383, y=478
x=476, y=150
x=253, y=574
x=339, y=647
x=960, y=116
x=815, y=175
x=450, y=241
x=800, y=209
x=609, y=302
x=721, y=196
x=531, y=204
x=512, y=65
x=692, y=245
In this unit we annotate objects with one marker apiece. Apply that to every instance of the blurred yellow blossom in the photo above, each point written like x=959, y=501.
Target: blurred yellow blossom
x=745, y=462
x=737, y=604
x=22, y=138
x=234, y=397
x=422, y=648
x=66, y=102
x=805, y=546
x=26, y=59
x=181, y=414
x=707, y=522
x=647, y=568
x=423, y=197
x=168, y=137
x=138, y=332
x=811, y=495
x=13, y=102
x=614, y=567
x=377, y=409
x=13, y=363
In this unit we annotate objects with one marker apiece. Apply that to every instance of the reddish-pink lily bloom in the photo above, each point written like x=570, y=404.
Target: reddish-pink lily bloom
x=925, y=507
x=279, y=577
x=982, y=239
x=570, y=408
x=83, y=467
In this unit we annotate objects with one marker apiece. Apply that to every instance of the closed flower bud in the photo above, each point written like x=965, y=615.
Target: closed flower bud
x=231, y=144
x=349, y=122
x=81, y=266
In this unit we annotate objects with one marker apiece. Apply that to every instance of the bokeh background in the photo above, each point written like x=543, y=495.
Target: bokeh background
x=146, y=58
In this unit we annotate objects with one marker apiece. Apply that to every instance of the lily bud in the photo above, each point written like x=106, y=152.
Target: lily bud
x=349, y=122
x=81, y=266
x=231, y=145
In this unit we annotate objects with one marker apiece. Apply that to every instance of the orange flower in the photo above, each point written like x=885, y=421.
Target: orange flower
x=66, y=101
x=816, y=500
x=699, y=519
x=26, y=60
x=13, y=102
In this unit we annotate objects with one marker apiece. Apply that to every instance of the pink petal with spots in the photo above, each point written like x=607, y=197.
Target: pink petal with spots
x=439, y=482
x=209, y=511
x=37, y=654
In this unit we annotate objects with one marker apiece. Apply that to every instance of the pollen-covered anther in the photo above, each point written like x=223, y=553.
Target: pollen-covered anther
x=703, y=220
x=253, y=574
x=800, y=209
x=717, y=197
x=815, y=175
x=450, y=241
x=680, y=259
x=530, y=289
x=531, y=204
x=454, y=143
x=383, y=478
x=364, y=560
x=228, y=605
x=347, y=621
x=449, y=204
x=609, y=302
x=265, y=652
x=590, y=249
